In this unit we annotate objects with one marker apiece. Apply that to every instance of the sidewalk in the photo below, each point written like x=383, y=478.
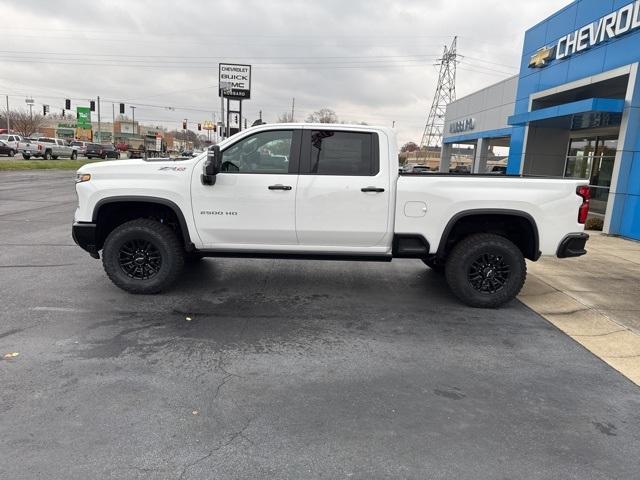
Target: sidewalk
x=594, y=299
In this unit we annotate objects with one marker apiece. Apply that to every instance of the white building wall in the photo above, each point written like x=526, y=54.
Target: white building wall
x=490, y=108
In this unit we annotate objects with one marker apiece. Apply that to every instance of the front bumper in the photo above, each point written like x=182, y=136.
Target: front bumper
x=84, y=234
x=573, y=245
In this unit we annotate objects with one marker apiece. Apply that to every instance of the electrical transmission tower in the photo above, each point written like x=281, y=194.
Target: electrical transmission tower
x=445, y=94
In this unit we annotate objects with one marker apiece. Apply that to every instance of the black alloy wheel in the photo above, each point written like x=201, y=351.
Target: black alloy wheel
x=489, y=273
x=140, y=259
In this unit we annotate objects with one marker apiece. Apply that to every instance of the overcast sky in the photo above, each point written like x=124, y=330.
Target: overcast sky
x=369, y=60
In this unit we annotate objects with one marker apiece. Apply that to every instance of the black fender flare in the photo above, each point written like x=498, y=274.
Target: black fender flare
x=489, y=211
x=189, y=246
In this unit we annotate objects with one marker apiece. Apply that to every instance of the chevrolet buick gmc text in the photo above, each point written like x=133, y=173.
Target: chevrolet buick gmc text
x=317, y=192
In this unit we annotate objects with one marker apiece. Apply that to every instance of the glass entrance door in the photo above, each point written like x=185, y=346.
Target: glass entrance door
x=592, y=158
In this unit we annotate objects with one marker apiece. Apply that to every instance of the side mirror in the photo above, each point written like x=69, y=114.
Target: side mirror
x=212, y=165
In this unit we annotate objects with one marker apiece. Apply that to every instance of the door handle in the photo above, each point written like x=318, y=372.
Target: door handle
x=279, y=187
x=372, y=189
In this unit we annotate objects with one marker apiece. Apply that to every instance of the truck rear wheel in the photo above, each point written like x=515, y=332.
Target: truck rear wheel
x=47, y=155
x=143, y=256
x=485, y=270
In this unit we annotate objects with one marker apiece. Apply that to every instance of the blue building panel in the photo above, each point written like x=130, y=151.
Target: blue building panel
x=585, y=64
x=562, y=22
x=630, y=222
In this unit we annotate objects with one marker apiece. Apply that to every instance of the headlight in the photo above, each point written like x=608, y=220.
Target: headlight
x=83, y=177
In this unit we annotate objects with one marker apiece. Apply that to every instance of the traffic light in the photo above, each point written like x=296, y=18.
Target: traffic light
x=184, y=124
x=122, y=108
x=45, y=109
x=199, y=127
x=92, y=105
x=67, y=104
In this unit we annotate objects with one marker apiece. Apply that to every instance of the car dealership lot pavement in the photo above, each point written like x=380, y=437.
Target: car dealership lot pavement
x=283, y=369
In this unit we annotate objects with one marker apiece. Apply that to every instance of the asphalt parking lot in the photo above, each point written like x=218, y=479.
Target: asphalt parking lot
x=286, y=369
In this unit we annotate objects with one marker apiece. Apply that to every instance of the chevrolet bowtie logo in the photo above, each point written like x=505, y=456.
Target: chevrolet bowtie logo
x=542, y=57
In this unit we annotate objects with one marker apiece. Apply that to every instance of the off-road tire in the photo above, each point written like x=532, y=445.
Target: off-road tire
x=435, y=265
x=165, y=241
x=462, y=265
x=26, y=157
x=47, y=155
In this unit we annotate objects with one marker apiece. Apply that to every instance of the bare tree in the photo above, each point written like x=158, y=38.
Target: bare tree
x=285, y=118
x=24, y=123
x=410, y=147
x=324, y=115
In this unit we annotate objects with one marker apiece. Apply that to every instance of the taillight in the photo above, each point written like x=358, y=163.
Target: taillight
x=585, y=192
x=39, y=147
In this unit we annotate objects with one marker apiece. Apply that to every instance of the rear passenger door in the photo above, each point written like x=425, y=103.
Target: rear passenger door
x=343, y=191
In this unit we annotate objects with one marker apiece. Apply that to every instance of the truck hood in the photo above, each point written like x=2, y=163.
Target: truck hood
x=131, y=167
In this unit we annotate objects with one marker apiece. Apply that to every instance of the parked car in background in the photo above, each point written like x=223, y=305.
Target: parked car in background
x=95, y=150
x=80, y=145
x=6, y=149
x=460, y=169
x=498, y=170
x=18, y=143
x=420, y=169
x=50, y=148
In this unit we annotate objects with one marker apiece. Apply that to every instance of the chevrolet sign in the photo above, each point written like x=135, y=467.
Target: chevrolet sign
x=622, y=21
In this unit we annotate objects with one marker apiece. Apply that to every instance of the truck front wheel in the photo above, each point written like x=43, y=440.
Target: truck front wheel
x=143, y=256
x=486, y=270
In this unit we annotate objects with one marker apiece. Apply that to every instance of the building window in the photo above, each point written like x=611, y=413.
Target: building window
x=592, y=159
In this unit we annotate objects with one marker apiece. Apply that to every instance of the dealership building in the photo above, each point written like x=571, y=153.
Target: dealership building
x=573, y=111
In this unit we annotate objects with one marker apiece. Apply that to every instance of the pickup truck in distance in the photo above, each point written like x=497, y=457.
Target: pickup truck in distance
x=51, y=148
x=323, y=191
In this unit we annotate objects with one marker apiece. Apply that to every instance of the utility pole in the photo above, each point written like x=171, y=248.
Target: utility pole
x=133, y=121
x=8, y=121
x=293, y=109
x=99, y=127
x=113, y=123
x=222, y=114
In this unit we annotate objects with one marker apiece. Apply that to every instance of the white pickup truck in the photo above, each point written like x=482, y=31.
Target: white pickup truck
x=323, y=192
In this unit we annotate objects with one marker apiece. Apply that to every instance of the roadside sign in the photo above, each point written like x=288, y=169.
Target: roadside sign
x=83, y=117
x=234, y=81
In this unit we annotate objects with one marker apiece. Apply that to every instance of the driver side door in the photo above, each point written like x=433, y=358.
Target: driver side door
x=251, y=206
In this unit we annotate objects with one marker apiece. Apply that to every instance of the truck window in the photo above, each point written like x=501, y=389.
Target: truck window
x=264, y=152
x=343, y=153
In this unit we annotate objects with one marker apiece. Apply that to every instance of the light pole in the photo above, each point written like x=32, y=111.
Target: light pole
x=8, y=121
x=133, y=121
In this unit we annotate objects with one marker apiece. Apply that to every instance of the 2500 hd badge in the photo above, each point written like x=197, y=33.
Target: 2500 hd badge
x=211, y=212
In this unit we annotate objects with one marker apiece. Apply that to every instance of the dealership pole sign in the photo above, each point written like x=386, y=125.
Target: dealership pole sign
x=234, y=81
x=618, y=23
